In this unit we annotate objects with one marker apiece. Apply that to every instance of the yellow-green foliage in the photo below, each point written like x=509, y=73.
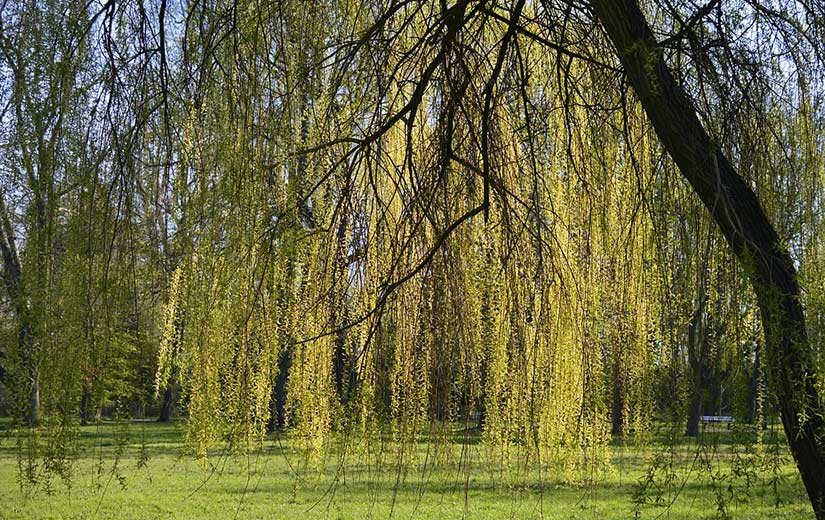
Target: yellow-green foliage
x=512, y=317
x=328, y=199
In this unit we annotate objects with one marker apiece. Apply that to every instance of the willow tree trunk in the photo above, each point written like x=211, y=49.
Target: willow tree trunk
x=738, y=213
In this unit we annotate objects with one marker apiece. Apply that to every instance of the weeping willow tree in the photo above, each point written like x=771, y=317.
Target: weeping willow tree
x=416, y=269
x=443, y=186
x=398, y=215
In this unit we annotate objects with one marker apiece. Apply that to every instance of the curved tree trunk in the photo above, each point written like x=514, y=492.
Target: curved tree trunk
x=736, y=210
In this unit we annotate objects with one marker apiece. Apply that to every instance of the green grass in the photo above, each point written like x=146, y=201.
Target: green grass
x=693, y=478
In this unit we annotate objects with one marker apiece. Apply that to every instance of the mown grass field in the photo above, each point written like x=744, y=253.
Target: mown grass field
x=153, y=478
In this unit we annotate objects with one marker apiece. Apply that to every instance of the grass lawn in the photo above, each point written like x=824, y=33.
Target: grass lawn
x=709, y=478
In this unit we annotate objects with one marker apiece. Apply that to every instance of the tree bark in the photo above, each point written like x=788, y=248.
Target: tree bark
x=694, y=413
x=738, y=213
x=12, y=276
x=168, y=405
x=697, y=360
x=84, y=406
x=617, y=427
x=279, y=391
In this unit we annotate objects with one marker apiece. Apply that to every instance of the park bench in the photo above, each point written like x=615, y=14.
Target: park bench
x=717, y=419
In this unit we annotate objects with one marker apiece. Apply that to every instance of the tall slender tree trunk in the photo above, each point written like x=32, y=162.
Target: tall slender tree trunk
x=738, y=213
x=84, y=406
x=694, y=413
x=33, y=411
x=12, y=279
x=697, y=361
x=168, y=405
x=277, y=403
x=617, y=427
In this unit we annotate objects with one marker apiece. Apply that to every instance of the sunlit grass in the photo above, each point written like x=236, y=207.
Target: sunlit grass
x=453, y=479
